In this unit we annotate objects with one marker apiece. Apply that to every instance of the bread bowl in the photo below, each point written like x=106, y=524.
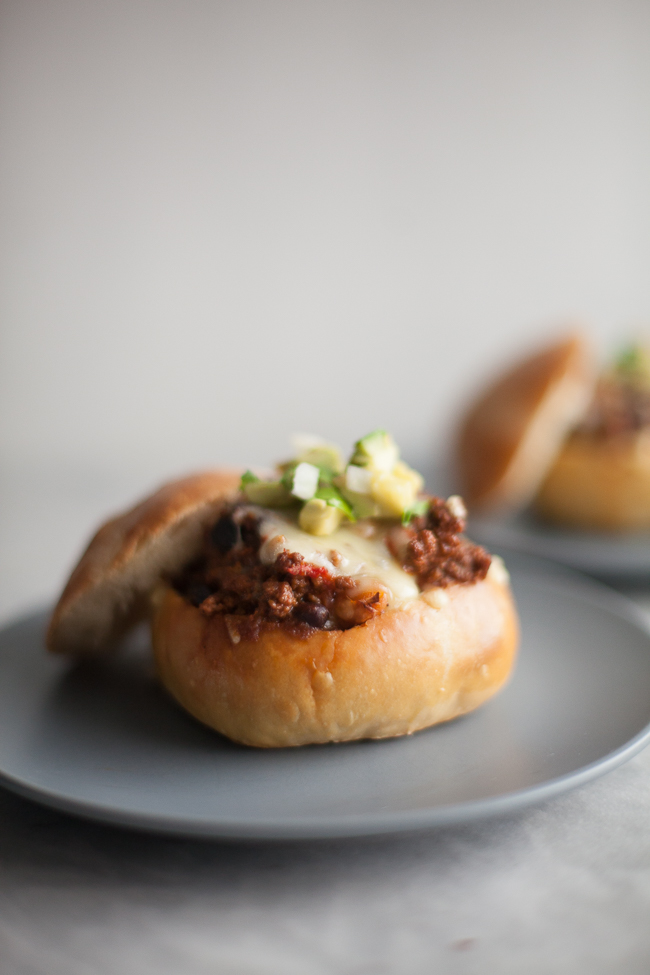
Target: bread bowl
x=599, y=484
x=284, y=624
x=600, y=478
x=551, y=435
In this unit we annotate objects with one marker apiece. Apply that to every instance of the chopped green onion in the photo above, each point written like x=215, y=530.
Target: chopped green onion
x=377, y=450
x=248, y=478
x=268, y=494
x=304, y=481
x=358, y=479
x=334, y=498
x=417, y=509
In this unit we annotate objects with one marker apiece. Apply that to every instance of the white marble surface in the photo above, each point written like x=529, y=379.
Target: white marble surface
x=563, y=887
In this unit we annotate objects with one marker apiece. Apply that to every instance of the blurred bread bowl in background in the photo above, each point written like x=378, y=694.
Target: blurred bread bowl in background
x=552, y=435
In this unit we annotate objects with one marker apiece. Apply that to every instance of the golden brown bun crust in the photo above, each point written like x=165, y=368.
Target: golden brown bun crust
x=402, y=671
x=109, y=588
x=512, y=432
x=598, y=483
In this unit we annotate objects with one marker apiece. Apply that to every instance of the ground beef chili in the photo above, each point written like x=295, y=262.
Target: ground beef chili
x=433, y=548
x=229, y=578
x=617, y=408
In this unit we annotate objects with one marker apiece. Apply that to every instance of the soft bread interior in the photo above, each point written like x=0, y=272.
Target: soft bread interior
x=109, y=588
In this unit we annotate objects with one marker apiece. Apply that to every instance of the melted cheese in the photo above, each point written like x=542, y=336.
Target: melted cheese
x=346, y=552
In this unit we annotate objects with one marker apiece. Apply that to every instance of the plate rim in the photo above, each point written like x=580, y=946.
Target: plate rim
x=356, y=825
x=606, y=556
x=352, y=826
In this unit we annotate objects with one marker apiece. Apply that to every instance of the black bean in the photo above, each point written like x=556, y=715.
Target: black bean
x=314, y=614
x=225, y=534
x=249, y=532
x=197, y=592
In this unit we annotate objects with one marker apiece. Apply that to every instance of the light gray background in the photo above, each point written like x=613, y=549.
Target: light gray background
x=224, y=221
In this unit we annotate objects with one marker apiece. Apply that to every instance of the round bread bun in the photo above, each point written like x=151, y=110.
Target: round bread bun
x=109, y=588
x=512, y=433
x=432, y=659
x=599, y=483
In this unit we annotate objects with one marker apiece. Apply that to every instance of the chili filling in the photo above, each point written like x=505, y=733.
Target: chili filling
x=618, y=408
x=436, y=552
x=229, y=578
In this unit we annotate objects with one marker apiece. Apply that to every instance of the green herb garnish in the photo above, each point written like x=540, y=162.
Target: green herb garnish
x=417, y=509
x=334, y=498
x=248, y=478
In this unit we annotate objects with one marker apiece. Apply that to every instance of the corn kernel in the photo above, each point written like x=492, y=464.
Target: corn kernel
x=394, y=494
x=319, y=518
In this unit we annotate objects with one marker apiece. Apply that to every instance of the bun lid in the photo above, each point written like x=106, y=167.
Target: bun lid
x=513, y=431
x=109, y=588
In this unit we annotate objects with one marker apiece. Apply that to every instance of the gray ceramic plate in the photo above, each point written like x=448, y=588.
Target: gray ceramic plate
x=608, y=555
x=103, y=740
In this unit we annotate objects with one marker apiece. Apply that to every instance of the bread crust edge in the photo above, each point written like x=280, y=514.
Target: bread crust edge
x=404, y=670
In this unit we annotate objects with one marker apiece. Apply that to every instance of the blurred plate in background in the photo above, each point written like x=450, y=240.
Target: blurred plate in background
x=607, y=555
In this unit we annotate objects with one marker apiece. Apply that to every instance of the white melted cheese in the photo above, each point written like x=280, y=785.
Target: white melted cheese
x=346, y=552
